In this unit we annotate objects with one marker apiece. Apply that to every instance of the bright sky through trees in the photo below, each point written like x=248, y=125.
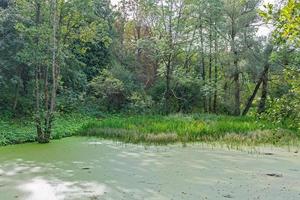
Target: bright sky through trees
x=263, y=30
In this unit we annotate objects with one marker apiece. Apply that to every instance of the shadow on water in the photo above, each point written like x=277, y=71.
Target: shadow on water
x=82, y=168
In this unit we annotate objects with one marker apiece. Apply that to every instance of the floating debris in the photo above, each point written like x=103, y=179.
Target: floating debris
x=228, y=196
x=275, y=175
x=269, y=154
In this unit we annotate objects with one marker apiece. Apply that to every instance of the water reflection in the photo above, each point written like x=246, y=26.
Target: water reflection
x=42, y=189
x=80, y=168
x=32, y=181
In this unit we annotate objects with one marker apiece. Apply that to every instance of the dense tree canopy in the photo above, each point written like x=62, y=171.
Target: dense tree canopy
x=141, y=56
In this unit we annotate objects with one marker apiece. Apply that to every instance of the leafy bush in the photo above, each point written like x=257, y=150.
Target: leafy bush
x=140, y=103
x=109, y=90
x=285, y=109
x=21, y=131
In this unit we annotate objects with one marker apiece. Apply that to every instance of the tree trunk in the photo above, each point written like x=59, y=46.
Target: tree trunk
x=139, y=50
x=262, y=79
x=237, y=94
x=236, y=78
x=169, y=64
x=236, y=75
x=188, y=55
x=46, y=95
x=38, y=121
x=210, y=67
x=251, y=98
x=50, y=113
x=202, y=66
x=264, y=93
x=16, y=97
x=168, y=88
x=216, y=75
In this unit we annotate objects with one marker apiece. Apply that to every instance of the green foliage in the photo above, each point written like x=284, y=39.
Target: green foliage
x=286, y=22
x=108, y=89
x=187, y=128
x=150, y=57
x=188, y=91
x=106, y=85
x=284, y=109
x=156, y=129
x=15, y=77
x=23, y=130
x=140, y=103
x=284, y=98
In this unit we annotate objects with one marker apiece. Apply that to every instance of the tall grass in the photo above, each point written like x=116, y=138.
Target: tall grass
x=155, y=129
x=188, y=128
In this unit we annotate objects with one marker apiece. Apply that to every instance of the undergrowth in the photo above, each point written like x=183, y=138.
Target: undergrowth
x=23, y=130
x=156, y=129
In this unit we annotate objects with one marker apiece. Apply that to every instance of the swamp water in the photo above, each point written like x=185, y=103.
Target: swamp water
x=88, y=168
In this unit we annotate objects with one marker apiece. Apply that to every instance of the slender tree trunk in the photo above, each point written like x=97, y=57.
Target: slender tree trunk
x=50, y=113
x=263, y=79
x=139, y=50
x=46, y=94
x=257, y=86
x=202, y=54
x=38, y=121
x=251, y=98
x=210, y=67
x=46, y=88
x=236, y=75
x=264, y=93
x=237, y=93
x=216, y=75
x=16, y=97
x=188, y=54
x=169, y=63
x=202, y=69
x=39, y=129
x=168, y=88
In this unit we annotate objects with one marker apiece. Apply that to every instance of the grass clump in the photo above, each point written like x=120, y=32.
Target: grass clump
x=189, y=128
x=156, y=129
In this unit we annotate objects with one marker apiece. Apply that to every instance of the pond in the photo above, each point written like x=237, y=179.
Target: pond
x=89, y=168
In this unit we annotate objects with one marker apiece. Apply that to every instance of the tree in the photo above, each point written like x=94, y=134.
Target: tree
x=61, y=24
x=109, y=90
x=285, y=98
x=240, y=15
x=286, y=21
x=263, y=79
x=15, y=75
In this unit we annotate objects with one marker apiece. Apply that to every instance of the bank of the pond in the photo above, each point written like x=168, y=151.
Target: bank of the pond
x=157, y=129
x=23, y=131
x=190, y=128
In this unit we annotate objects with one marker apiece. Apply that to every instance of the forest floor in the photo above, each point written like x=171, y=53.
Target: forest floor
x=159, y=130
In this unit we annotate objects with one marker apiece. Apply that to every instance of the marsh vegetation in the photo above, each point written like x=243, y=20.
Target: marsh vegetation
x=183, y=69
x=107, y=94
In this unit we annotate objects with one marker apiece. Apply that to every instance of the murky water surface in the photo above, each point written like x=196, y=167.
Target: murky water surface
x=86, y=168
